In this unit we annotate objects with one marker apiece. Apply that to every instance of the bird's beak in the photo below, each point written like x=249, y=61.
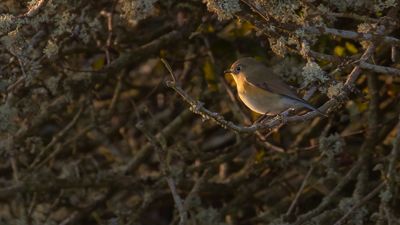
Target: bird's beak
x=228, y=71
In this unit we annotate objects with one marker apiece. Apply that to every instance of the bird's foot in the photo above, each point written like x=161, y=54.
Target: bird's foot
x=261, y=118
x=285, y=114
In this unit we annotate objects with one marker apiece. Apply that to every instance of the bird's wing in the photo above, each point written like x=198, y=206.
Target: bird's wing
x=285, y=90
x=275, y=85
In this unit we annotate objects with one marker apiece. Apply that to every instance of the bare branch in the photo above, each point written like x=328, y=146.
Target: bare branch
x=353, y=35
x=303, y=185
x=360, y=203
x=161, y=151
x=380, y=69
x=36, y=8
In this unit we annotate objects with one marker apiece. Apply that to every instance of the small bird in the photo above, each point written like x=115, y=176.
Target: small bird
x=263, y=91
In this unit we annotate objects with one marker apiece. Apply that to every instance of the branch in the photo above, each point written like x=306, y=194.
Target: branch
x=354, y=16
x=147, y=149
x=330, y=197
x=195, y=189
x=55, y=139
x=353, y=35
x=370, y=140
x=54, y=107
x=74, y=217
x=161, y=151
x=380, y=69
x=362, y=64
x=36, y=8
x=21, y=19
x=321, y=30
x=127, y=58
x=303, y=185
x=356, y=70
x=394, y=155
x=391, y=182
x=352, y=77
x=364, y=200
x=109, y=180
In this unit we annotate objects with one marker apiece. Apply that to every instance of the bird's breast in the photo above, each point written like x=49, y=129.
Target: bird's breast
x=261, y=101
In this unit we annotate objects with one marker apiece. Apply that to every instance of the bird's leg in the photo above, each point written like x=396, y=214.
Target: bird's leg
x=261, y=118
x=284, y=115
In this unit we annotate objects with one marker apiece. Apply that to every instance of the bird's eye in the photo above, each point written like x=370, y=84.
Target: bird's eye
x=238, y=69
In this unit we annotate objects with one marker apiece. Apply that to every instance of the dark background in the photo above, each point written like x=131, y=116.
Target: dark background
x=90, y=132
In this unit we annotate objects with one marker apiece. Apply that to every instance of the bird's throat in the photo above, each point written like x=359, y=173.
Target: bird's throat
x=241, y=83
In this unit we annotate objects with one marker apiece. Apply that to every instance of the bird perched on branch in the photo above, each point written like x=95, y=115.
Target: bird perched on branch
x=263, y=91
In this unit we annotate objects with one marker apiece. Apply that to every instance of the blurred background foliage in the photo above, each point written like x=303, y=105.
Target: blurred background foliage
x=90, y=133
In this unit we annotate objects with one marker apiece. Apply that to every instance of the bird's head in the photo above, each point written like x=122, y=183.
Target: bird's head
x=242, y=67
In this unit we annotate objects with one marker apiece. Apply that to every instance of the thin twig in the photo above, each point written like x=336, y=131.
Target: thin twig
x=177, y=200
x=380, y=69
x=393, y=54
x=161, y=151
x=391, y=184
x=147, y=149
x=74, y=217
x=116, y=95
x=168, y=67
x=353, y=16
x=330, y=197
x=357, y=70
x=194, y=191
x=370, y=138
x=110, y=16
x=36, y=8
x=303, y=185
x=368, y=197
x=56, y=138
x=362, y=64
x=321, y=30
x=394, y=155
